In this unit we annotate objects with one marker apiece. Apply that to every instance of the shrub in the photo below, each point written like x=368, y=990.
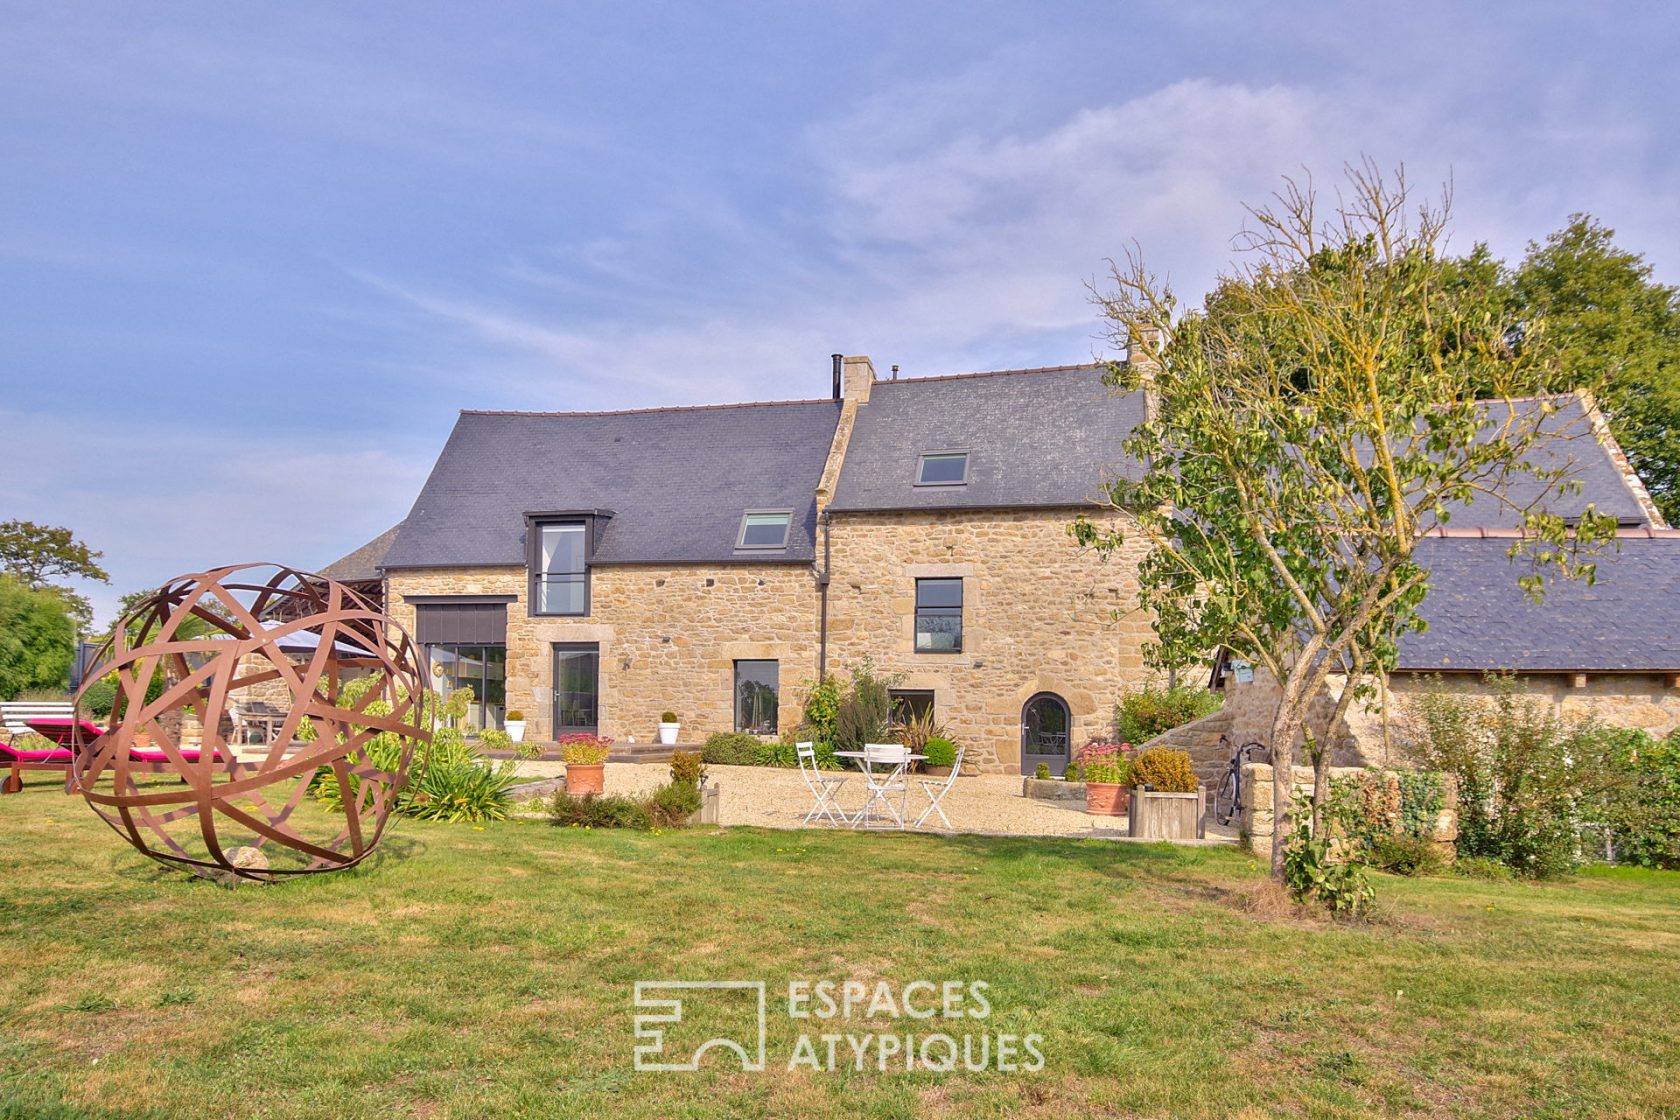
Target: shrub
x=98, y=698
x=1152, y=710
x=461, y=790
x=1107, y=762
x=940, y=752
x=493, y=740
x=673, y=804
x=687, y=768
x=584, y=750
x=920, y=730
x=1314, y=869
x=1480, y=867
x=1073, y=773
x=1165, y=771
x=516, y=716
x=1524, y=775
x=1043, y=771
x=668, y=717
x=731, y=748
x=784, y=753
x=822, y=709
x=1407, y=855
x=865, y=711
x=528, y=750
x=1639, y=821
x=598, y=812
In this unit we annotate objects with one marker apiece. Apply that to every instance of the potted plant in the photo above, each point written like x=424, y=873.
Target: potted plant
x=668, y=727
x=1168, y=802
x=941, y=756
x=1107, y=770
x=585, y=757
x=514, y=725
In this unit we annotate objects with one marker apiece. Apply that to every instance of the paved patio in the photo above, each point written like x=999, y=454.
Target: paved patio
x=989, y=804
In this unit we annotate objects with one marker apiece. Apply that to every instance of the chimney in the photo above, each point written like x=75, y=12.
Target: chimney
x=1143, y=352
x=838, y=358
x=858, y=374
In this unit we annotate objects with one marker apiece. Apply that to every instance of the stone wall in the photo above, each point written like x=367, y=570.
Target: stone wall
x=669, y=637
x=1259, y=824
x=1366, y=738
x=1206, y=740
x=1039, y=615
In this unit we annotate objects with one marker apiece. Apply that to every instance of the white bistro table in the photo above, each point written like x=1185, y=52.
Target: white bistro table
x=880, y=776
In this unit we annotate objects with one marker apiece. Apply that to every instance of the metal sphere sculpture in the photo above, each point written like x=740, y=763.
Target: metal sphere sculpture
x=339, y=695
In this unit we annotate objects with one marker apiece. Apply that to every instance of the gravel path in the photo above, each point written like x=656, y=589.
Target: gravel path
x=773, y=798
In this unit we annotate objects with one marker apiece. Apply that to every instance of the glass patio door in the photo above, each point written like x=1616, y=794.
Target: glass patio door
x=577, y=688
x=483, y=669
x=1045, y=723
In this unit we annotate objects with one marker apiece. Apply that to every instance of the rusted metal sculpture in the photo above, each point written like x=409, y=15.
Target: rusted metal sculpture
x=220, y=642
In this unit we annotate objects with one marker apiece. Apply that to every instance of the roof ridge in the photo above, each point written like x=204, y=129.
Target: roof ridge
x=988, y=373
x=1626, y=532
x=644, y=411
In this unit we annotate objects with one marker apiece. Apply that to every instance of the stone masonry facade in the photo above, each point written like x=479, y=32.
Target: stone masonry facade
x=1039, y=615
x=668, y=637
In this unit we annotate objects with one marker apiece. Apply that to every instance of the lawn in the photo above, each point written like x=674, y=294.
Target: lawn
x=470, y=973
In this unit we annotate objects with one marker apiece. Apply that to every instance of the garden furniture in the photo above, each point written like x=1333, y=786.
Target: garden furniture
x=16, y=714
x=936, y=789
x=884, y=765
x=18, y=759
x=824, y=787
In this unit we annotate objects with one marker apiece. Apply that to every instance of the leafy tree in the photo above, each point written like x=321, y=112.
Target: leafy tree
x=1616, y=327
x=1308, y=425
x=33, y=553
x=37, y=639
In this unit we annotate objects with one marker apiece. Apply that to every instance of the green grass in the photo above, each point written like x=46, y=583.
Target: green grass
x=468, y=973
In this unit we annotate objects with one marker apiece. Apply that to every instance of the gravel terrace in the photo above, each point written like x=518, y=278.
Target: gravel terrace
x=772, y=798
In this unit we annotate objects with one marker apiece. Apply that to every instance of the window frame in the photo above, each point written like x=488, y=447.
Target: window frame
x=735, y=693
x=921, y=466
x=787, y=530
x=535, y=524
x=938, y=612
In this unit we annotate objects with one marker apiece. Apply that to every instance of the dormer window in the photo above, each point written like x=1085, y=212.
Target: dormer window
x=560, y=547
x=943, y=468
x=764, y=529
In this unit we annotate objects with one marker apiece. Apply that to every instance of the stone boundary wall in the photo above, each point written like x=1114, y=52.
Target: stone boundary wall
x=1200, y=740
x=1259, y=827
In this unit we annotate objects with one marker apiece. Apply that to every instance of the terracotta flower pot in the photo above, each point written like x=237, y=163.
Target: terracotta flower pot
x=937, y=771
x=583, y=780
x=1107, y=799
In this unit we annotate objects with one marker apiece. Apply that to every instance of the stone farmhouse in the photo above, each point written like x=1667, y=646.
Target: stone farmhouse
x=593, y=570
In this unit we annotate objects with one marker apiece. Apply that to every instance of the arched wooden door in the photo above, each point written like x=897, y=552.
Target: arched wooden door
x=1046, y=734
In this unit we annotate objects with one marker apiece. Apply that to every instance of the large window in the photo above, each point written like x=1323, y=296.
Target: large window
x=939, y=615
x=910, y=704
x=560, y=579
x=480, y=668
x=757, y=685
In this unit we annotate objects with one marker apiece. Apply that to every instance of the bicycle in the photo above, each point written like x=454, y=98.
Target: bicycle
x=1228, y=796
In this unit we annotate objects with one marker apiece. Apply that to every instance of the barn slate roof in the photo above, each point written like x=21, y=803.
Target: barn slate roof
x=676, y=481
x=1039, y=437
x=1479, y=619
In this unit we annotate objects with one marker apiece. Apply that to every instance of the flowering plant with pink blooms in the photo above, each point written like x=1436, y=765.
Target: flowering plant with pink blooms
x=1106, y=762
x=585, y=750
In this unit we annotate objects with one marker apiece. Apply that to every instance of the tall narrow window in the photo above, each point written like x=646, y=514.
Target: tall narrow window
x=939, y=615
x=757, y=691
x=561, y=579
x=943, y=468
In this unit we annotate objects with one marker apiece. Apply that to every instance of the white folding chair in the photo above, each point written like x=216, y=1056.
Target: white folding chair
x=883, y=776
x=823, y=787
x=936, y=789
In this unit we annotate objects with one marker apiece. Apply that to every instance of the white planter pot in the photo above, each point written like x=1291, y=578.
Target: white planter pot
x=668, y=733
x=515, y=729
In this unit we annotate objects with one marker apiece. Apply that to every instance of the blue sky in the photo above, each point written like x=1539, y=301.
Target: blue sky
x=256, y=256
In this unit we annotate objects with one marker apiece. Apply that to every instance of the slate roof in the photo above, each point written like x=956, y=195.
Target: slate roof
x=364, y=563
x=1585, y=459
x=1479, y=619
x=1034, y=437
x=676, y=479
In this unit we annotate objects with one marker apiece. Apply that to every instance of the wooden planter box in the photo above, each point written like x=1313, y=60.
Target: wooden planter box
x=1168, y=816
